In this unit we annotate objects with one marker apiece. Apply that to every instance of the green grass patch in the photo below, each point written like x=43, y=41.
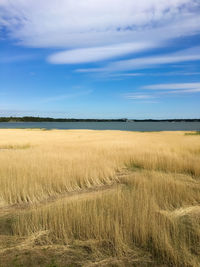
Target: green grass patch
x=135, y=166
x=193, y=133
x=24, y=146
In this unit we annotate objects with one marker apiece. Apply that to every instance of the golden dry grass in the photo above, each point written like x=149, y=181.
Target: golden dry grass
x=110, y=198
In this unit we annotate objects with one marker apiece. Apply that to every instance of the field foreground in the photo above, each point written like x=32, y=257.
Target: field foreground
x=99, y=198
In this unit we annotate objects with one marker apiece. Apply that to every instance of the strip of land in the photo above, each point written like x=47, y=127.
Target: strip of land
x=48, y=119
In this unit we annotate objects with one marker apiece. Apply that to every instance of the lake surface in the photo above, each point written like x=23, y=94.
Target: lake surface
x=123, y=126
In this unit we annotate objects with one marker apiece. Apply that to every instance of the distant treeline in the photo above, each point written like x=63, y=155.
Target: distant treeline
x=47, y=119
x=169, y=120
x=41, y=119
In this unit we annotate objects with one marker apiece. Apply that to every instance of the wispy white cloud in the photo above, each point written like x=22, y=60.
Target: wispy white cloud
x=42, y=23
x=135, y=74
x=174, y=73
x=191, y=54
x=89, y=29
x=197, y=90
x=138, y=96
x=158, y=91
x=94, y=54
x=161, y=90
x=154, y=74
x=186, y=87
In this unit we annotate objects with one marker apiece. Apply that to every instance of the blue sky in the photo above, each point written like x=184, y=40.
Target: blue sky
x=100, y=59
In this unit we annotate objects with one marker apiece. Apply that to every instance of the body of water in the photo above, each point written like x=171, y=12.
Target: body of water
x=123, y=126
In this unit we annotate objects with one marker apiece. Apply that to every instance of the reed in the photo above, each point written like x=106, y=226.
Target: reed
x=120, y=192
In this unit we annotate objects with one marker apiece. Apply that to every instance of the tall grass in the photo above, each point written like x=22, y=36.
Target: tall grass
x=139, y=213
x=154, y=206
x=64, y=161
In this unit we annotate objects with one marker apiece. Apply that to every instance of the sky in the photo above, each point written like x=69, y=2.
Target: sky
x=100, y=58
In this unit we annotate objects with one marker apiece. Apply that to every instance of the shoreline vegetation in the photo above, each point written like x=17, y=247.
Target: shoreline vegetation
x=99, y=198
x=48, y=119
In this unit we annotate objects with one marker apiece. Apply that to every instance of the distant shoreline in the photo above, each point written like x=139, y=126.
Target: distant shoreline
x=47, y=119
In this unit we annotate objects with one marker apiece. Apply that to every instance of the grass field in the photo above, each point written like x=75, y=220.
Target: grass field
x=99, y=198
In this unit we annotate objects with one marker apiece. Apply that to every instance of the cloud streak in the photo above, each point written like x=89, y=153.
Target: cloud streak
x=93, y=30
x=162, y=90
x=138, y=96
x=34, y=22
x=192, y=54
x=94, y=54
x=173, y=86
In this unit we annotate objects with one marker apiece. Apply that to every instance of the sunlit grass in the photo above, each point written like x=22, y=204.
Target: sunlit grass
x=153, y=206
